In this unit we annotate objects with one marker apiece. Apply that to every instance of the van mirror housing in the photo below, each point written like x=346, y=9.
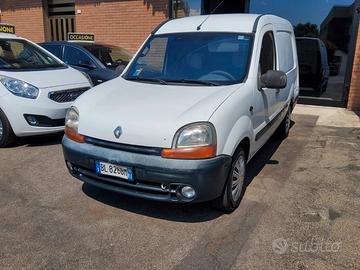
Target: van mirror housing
x=274, y=79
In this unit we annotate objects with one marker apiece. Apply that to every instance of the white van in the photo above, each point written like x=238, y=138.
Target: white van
x=199, y=99
x=36, y=88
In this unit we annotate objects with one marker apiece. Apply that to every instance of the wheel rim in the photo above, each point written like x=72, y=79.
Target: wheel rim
x=1, y=129
x=238, y=176
x=288, y=121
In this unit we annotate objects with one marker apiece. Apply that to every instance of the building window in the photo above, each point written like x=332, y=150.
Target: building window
x=184, y=8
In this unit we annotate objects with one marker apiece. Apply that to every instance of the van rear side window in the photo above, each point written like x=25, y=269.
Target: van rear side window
x=285, y=46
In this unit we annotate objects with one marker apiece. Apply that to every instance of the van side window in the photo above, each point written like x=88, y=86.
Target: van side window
x=285, y=46
x=268, y=53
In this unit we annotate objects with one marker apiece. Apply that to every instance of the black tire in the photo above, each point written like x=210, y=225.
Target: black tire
x=230, y=199
x=284, y=128
x=7, y=136
x=323, y=90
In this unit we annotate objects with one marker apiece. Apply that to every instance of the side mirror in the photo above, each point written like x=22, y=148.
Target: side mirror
x=274, y=80
x=87, y=64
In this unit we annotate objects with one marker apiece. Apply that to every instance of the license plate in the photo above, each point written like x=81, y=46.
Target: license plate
x=114, y=170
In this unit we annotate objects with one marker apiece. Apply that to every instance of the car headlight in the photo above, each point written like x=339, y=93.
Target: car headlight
x=88, y=78
x=72, y=125
x=194, y=141
x=19, y=87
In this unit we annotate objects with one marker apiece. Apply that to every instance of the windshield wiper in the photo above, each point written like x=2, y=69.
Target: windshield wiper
x=201, y=82
x=146, y=80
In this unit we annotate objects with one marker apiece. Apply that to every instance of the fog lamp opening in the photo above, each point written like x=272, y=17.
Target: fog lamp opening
x=188, y=192
x=32, y=120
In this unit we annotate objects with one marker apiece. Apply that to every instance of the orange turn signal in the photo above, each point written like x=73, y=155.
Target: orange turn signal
x=200, y=152
x=74, y=136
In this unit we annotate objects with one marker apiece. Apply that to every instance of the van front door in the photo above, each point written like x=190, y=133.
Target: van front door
x=265, y=99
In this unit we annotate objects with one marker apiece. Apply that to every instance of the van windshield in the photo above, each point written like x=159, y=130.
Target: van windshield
x=18, y=54
x=193, y=58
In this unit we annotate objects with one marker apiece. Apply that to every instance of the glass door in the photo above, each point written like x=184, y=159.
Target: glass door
x=325, y=41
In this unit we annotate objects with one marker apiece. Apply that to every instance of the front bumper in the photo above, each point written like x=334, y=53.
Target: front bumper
x=16, y=107
x=155, y=178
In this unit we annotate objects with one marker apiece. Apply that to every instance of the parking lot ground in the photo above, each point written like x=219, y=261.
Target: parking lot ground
x=301, y=210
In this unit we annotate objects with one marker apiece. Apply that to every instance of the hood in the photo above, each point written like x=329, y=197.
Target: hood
x=49, y=77
x=149, y=114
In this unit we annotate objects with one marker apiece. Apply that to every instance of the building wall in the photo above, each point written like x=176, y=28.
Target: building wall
x=354, y=94
x=123, y=23
x=27, y=15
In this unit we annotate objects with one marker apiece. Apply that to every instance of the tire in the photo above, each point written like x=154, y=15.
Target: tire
x=235, y=185
x=318, y=91
x=284, y=128
x=7, y=136
x=324, y=88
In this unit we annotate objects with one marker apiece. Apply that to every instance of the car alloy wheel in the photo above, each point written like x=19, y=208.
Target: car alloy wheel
x=288, y=121
x=1, y=129
x=238, y=177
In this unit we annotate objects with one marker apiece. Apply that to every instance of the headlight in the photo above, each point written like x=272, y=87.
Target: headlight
x=88, y=78
x=72, y=119
x=19, y=88
x=195, y=135
x=194, y=141
x=72, y=125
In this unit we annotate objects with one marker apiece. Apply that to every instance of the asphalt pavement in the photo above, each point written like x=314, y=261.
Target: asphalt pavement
x=301, y=210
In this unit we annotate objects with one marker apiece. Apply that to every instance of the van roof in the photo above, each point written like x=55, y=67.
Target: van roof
x=238, y=23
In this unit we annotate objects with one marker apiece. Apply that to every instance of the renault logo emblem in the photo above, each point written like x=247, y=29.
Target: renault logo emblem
x=118, y=132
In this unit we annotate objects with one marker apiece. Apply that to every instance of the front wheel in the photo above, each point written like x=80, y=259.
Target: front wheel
x=7, y=136
x=235, y=184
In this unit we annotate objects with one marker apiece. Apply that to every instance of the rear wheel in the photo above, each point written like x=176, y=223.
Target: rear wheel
x=235, y=184
x=7, y=135
x=284, y=128
x=324, y=87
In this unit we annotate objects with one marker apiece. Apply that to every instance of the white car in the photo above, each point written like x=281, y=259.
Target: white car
x=196, y=103
x=36, y=89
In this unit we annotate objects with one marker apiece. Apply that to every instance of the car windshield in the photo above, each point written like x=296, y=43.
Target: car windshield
x=110, y=56
x=194, y=58
x=21, y=54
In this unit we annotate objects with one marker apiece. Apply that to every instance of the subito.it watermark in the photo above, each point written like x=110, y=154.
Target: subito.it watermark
x=282, y=246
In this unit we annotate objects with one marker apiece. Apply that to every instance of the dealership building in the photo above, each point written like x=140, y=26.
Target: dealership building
x=127, y=23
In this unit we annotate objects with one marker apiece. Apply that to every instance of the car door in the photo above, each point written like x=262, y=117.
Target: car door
x=55, y=49
x=264, y=99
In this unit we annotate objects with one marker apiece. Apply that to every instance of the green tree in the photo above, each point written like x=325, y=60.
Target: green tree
x=307, y=30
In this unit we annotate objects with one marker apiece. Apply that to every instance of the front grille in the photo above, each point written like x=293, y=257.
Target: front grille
x=154, y=151
x=67, y=95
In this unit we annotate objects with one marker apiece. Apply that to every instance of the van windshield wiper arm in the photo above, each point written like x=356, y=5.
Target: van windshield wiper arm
x=201, y=82
x=146, y=79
